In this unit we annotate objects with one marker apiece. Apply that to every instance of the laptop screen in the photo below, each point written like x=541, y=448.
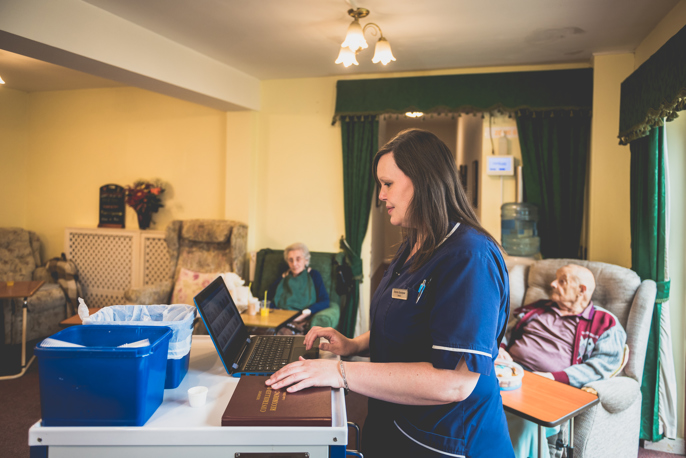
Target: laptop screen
x=222, y=319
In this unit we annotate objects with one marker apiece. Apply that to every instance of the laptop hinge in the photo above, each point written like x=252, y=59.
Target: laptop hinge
x=243, y=350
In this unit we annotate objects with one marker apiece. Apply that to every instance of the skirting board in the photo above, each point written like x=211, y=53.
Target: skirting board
x=675, y=446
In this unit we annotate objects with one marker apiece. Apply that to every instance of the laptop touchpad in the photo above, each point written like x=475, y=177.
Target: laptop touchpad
x=299, y=350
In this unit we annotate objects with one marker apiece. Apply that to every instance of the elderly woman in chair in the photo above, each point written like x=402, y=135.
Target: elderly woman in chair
x=299, y=288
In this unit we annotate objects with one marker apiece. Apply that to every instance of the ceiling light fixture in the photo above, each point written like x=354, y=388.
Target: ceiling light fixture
x=355, y=42
x=414, y=114
x=1, y=81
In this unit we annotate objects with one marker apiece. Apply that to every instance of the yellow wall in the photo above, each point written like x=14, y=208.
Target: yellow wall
x=81, y=140
x=241, y=170
x=14, y=186
x=300, y=167
x=609, y=206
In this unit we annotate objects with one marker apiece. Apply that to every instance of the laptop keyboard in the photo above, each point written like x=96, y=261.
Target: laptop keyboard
x=270, y=354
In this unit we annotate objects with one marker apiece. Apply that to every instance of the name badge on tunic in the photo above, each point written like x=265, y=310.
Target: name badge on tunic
x=399, y=294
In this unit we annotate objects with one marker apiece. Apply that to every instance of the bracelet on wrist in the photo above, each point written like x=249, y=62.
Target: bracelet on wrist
x=341, y=367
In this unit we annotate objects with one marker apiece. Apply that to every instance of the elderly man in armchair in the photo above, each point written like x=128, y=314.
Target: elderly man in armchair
x=566, y=338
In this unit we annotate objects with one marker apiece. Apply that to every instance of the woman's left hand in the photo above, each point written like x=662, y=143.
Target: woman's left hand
x=306, y=373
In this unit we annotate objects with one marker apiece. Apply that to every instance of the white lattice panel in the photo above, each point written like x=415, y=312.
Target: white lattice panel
x=155, y=261
x=112, y=260
x=101, y=299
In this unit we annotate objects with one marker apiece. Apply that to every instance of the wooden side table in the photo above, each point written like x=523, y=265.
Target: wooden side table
x=13, y=290
x=275, y=318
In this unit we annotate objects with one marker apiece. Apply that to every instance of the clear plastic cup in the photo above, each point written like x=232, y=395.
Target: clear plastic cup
x=197, y=396
x=264, y=307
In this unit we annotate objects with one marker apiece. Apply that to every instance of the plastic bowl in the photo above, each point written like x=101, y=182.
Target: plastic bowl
x=509, y=375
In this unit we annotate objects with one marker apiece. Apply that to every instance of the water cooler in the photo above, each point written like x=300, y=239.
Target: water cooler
x=519, y=225
x=518, y=228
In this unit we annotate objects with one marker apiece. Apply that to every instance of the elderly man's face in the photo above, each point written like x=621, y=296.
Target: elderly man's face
x=296, y=262
x=565, y=288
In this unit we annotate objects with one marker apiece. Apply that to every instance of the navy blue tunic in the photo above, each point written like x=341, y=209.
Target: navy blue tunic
x=461, y=313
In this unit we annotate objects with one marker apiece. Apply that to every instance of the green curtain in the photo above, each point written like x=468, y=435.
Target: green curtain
x=648, y=254
x=655, y=91
x=554, y=160
x=360, y=138
x=470, y=93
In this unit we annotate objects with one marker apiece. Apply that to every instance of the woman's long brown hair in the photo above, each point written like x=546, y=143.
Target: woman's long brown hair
x=438, y=193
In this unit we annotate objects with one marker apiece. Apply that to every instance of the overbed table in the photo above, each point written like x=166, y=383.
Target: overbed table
x=20, y=289
x=177, y=430
x=548, y=403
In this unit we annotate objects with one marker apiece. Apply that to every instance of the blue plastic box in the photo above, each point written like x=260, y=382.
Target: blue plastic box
x=102, y=385
x=176, y=371
x=178, y=317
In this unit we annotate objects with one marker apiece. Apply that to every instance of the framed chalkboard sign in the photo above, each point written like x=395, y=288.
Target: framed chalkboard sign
x=112, y=206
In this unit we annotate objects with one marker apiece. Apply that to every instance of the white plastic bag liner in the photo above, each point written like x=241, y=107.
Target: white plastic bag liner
x=178, y=317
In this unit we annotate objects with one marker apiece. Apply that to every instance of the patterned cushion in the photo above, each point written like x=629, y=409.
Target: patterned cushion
x=207, y=246
x=189, y=284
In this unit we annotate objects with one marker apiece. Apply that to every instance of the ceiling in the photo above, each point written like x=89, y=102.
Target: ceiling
x=275, y=39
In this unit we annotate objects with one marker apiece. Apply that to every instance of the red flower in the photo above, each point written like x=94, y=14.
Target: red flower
x=144, y=196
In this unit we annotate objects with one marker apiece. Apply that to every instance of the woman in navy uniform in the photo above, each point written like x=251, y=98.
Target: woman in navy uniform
x=437, y=319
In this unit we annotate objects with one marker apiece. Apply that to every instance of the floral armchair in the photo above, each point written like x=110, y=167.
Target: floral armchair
x=20, y=261
x=205, y=246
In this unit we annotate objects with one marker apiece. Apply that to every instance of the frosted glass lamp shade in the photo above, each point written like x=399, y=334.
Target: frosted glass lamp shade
x=382, y=52
x=354, y=39
x=346, y=57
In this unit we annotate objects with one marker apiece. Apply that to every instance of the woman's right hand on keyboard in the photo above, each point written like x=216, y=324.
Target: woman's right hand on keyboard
x=337, y=342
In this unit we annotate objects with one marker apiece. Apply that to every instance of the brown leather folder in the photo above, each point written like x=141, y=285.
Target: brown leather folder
x=255, y=404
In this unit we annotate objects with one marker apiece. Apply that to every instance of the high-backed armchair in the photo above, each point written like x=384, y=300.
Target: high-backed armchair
x=611, y=427
x=206, y=246
x=269, y=265
x=20, y=260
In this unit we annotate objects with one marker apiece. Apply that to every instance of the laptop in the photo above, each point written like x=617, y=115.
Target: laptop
x=240, y=353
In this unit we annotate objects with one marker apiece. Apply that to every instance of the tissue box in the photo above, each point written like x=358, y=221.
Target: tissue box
x=100, y=384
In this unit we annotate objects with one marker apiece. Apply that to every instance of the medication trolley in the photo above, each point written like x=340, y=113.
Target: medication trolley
x=177, y=430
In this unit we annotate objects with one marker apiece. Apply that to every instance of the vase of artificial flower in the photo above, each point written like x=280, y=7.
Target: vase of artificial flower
x=144, y=220
x=144, y=198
